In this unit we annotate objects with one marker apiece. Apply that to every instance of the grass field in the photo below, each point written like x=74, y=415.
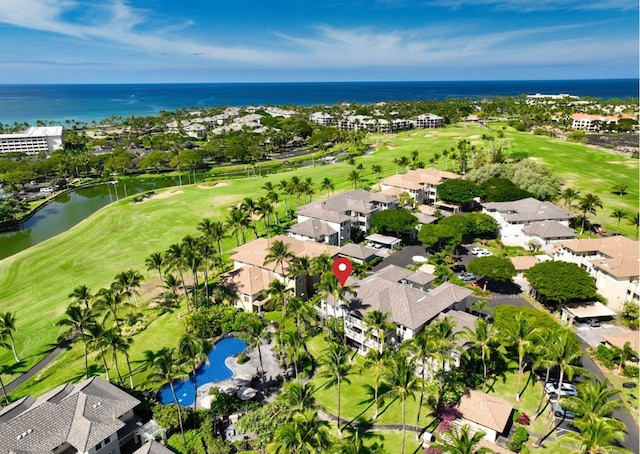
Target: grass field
x=35, y=283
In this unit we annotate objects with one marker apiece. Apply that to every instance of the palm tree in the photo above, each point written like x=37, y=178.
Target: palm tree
x=376, y=360
x=238, y=221
x=155, y=262
x=128, y=282
x=376, y=322
x=192, y=350
x=596, y=399
x=177, y=259
x=78, y=319
x=95, y=334
x=293, y=347
x=460, y=441
x=569, y=195
x=335, y=366
x=298, y=396
x=7, y=328
x=193, y=261
x=265, y=210
x=303, y=434
x=597, y=436
x=172, y=285
x=403, y=383
x=109, y=299
x=167, y=368
x=81, y=295
x=301, y=267
x=353, y=442
x=623, y=354
x=354, y=176
x=546, y=357
x=253, y=334
x=377, y=171
x=327, y=185
x=272, y=197
x=278, y=293
x=588, y=205
x=618, y=214
x=567, y=352
x=330, y=286
x=481, y=338
x=278, y=253
x=520, y=333
x=213, y=231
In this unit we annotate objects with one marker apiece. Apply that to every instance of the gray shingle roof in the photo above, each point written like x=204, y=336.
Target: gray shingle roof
x=528, y=210
x=406, y=305
x=333, y=208
x=549, y=229
x=81, y=415
x=312, y=228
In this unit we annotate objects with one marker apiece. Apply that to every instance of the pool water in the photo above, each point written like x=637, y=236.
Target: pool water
x=214, y=371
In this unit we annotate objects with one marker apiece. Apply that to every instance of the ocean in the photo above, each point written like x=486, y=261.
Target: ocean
x=88, y=103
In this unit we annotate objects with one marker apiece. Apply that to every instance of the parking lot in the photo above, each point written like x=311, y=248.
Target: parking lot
x=593, y=336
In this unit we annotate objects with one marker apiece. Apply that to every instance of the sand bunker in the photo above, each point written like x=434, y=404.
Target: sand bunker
x=162, y=195
x=217, y=185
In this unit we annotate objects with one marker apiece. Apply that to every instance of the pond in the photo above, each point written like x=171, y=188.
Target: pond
x=215, y=371
x=69, y=209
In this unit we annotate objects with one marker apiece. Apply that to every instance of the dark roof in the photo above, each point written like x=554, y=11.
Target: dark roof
x=152, y=447
x=81, y=415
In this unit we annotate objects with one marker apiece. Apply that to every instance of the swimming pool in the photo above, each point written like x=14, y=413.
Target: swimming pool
x=213, y=372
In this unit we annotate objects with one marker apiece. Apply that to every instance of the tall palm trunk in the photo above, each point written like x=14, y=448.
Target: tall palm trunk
x=4, y=391
x=420, y=404
x=86, y=357
x=544, y=394
x=484, y=370
x=404, y=425
x=13, y=347
x=126, y=357
x=184, y=288
x=261, y=365
x=115, y=364
x=175, y=398
x=339, y=395
x=104, y=363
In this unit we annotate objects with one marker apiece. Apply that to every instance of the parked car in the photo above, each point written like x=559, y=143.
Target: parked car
x=568, y=389
x=560, y=412
x=593, y=322
x=484, y=253
x=476, y=250
x=458, y=268
x=466, y=276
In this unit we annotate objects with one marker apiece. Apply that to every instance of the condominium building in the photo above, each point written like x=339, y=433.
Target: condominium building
x=33, y=141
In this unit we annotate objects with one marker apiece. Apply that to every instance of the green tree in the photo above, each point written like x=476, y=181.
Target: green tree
x=393, y=221
x=303, y=434
x=375, y=360
x=166, y=369
x=481, y=338
x=7, y=328
x=589, y=203
x=460, y=441
x=559, y=282
x=156, y=262
x=618, y=214
x=327, y=185
x=192, y=351
x=520, y=333
x=213, y=231
x=377, y=322
x=335, y=367
x=595, y=399
x=458, y=191
x=597, y=436
x=78, y=320
x=569, y=195
x=81, y=295
x=403, y=383
x=494, y=268
x=279, y=254
x=297, y=395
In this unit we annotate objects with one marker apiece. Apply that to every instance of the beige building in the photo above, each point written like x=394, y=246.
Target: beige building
x=420, y=184
x=484, y=413
x=614, y=263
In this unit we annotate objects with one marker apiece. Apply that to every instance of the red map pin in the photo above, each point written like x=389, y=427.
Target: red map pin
x=342, y=268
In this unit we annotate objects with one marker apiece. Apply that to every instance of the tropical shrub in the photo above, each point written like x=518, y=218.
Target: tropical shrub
x=519, y=439
x=631, y=371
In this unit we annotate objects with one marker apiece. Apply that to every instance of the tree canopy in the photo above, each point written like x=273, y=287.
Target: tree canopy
x=561, y=282
x=396, y=221
x=502, y=190
x=494, y=268
x=458, y=191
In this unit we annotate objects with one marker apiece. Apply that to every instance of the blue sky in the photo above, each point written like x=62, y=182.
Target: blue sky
x=128, y=41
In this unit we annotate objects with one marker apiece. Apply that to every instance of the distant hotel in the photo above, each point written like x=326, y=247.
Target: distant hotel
x=33, y=141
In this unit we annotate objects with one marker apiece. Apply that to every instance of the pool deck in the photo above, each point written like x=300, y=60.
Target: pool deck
x=249, y=369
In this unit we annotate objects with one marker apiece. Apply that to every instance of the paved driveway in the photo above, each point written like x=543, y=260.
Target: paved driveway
x=593, y=336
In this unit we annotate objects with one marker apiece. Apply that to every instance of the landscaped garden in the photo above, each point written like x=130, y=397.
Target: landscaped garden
x=37, y=282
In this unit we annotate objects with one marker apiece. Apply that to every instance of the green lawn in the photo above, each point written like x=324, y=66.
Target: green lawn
x=35, y=283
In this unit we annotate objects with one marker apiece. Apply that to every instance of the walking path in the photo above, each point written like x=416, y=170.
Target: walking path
x=38, y=366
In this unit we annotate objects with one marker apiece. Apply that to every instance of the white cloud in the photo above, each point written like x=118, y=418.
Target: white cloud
x=539, y=5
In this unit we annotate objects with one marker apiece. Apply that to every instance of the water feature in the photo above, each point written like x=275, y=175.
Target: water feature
x=71, y=208
x=213, y=372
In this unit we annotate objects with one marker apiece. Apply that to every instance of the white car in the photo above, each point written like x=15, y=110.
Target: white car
x=477, y=250
x=568, y=389
x=484, y=253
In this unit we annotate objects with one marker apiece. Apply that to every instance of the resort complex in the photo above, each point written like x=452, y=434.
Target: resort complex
x=328, y=279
